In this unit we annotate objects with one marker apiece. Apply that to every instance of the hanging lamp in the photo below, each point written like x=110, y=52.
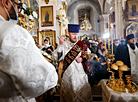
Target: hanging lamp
x=85, y=25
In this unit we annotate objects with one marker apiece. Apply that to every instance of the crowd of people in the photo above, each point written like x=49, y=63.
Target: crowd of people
x=26, y=74
x=77, y=70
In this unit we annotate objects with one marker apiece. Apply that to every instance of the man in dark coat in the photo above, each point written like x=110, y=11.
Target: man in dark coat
x=125, y=52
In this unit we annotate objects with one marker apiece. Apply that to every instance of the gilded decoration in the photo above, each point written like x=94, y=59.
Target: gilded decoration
x=132, y=29
x=50, y=35
x=131, y=12
x=35, y=38
x=83, y=37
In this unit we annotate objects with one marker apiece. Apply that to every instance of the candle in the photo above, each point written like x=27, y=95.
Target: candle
x=108, y=37
x=22, y=1
x=105, y=45
x=61, y=25
x=112, y=37
x=28, y=3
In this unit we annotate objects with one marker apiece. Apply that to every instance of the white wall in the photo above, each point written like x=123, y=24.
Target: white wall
x=94, y=13
x=56, y=5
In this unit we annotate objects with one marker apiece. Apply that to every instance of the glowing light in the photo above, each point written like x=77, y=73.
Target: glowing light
x=106, y=35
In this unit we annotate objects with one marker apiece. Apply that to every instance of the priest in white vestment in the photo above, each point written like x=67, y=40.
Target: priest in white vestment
x=74, y=85
x=24, y=72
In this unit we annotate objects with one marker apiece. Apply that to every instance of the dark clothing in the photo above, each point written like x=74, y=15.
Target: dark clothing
x=98, y=71
x=46, y=49
x=122, y=42
x=114, y=48
x=122, y=54
x=92, y=47
x=46, y=17
x=137, y=44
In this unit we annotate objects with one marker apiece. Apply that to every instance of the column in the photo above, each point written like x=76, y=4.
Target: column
x=104, y=19
x=119, y=19
x=116, y=19
x=101, y=24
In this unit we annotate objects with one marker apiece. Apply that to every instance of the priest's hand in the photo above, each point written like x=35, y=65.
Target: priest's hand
x=61, y=40
x=79, y=59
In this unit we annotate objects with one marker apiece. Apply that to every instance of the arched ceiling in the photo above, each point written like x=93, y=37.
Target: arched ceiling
x=70, y=2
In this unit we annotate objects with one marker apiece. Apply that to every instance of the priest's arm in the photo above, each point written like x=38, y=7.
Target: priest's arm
x=31, y=74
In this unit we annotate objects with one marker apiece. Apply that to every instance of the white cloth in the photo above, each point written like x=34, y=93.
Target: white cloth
x=109, y=95
x=45, y=46
x=22, y=61
x=74, y=85
x=134, y=63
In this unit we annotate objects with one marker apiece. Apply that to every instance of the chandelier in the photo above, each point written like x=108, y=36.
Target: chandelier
x=85, y=25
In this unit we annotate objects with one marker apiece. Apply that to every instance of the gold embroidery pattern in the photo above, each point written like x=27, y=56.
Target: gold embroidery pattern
x=84, y=52
x=68, y=60
x=76, y=48
x=73, y=53
x=71, y=57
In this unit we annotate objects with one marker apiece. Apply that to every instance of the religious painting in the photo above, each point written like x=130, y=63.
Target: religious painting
x=47, y=16
x=132, y=10
x=50, y=35
x=132, y=29
x=81, y=15
x=112, y=17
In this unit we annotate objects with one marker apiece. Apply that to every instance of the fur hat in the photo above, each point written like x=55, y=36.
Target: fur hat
x=130, y=36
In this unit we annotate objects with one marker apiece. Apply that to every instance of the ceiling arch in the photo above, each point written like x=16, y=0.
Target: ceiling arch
x=106, y=6
x=95, y=2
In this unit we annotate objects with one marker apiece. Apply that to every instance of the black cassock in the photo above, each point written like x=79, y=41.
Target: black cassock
x=122, y=54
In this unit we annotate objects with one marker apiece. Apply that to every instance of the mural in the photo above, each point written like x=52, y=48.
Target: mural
x=132, y=7
x=132, y=29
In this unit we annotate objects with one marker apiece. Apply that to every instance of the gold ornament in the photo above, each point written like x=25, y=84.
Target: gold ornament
x=46, y=1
